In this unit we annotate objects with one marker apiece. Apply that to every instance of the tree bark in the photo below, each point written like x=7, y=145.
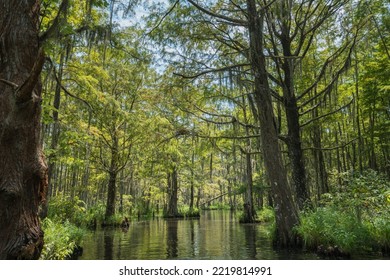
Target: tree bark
x=172, y=210
x=293, y=142
x=192, y=181
x=113, y=173
x=249, y=209
x=357, y=114
x=295, y=152
x=319, y=160
x=111, y=196
x=285, y=210
x=23, y=170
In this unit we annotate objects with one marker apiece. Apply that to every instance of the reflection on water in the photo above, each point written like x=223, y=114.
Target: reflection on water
x=172, y=239
x=216, y=235
x=108, y=246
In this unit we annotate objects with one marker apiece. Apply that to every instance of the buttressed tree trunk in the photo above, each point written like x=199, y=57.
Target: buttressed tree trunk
x=23, y=171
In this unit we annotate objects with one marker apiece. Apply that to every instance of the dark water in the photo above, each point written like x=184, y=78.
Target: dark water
x=217, y=235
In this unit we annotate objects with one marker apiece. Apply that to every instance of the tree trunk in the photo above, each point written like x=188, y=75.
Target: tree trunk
x=111, y=196
x=23, y=170
x=357, y=113
x=319, y=161
x=229, y=186
x=113, y=173
x=249, y=210
x=285, y=210
x=172, y=210
x=55, y=136
x=293, y=142
x=295, y=153
x=192, y=181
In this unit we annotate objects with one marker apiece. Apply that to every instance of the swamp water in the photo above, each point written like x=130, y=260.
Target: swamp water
x=217, y=235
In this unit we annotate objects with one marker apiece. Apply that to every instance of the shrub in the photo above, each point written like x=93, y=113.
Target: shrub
x=113, y=221
x=64, y=207
x=187, y=213
x=94, y=215
x=354, y=216
x=218, y=206
x=265, y=215
x=61, y=239
x=367, y=195
x=380, y=231
x=329, y=227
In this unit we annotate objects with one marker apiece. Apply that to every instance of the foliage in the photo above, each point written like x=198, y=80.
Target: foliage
x=379, y=229
x=354, y=217
x=61, y=239
x=112, y=221
x=218, y=206
x=94, y=215
x=188, y=213
x=367, y=195
x=266, y=215
x=66, y=208
x=329, y=227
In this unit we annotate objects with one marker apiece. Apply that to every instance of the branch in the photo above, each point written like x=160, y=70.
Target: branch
x=215, y=70
x=232, y=120
x=329, y=87
x=56, y=22
x=247, y=152
x=311, y=109
x=228, y=137
x=210, y=13
x=284, y=138
x=9, y=83
x=65, y=89
x=327, y=62
x=333, y=148
x=162, y=19
x=126, y=161
x=24, y=92
x=380, y=35
x=328, y=114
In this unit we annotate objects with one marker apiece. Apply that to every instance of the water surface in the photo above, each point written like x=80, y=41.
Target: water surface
x=217, y=235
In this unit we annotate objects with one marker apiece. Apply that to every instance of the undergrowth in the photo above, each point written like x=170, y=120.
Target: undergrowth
x=62, y=239
x=354, y=216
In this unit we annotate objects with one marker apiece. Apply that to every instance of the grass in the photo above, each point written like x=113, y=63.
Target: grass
x=328, y=226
